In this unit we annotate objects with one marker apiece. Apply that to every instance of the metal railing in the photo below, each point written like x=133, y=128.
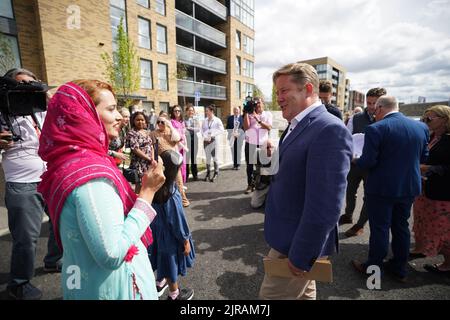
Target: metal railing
x=200, y=59
x=200, y=29
x=208, y=91
x=214, y=7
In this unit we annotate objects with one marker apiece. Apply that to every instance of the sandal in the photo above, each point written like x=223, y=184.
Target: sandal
x=435, y=269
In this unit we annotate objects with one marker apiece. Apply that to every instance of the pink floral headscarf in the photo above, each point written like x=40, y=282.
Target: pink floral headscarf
x=74, y=143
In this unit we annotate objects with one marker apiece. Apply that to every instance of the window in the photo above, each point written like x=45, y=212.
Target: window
x=248, y=45
x=248, y=89
x=161, y=7
x=238, y=40
x=6, y=9
x=144, y=33
x=238, y=65
x=146, y=74
x=162, y=77
x=238, y=89
x=117, y=11
x=10, y=53
x=248, y=68
x=161, y=38
x=143, y=3
x=164, y=106
x=244, y=11
x=148, y=105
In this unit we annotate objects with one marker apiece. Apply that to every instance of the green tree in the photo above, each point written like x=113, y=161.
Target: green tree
x=122, y=69
x=7, y=60
x=257, y=92
x=274, y=98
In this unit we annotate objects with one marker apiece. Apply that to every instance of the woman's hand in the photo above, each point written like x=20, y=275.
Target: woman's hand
x=121, y=156
x=152, y=180
x=424, y=168
x=6, y=140
x=187, y=247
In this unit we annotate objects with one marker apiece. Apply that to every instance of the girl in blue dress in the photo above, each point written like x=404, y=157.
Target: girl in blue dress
x=172, y=251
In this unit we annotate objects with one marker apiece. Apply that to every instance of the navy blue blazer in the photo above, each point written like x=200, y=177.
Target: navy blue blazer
x=393, y=149
x=230, y=122
x=306, y=194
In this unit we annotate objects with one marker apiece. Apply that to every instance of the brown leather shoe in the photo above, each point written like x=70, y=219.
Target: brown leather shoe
x=345, y=219
x=354, y=231
x=248, y=190
x=358, y=266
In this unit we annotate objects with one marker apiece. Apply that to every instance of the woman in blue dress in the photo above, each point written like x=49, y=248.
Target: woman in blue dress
x=99, y=222
x=172, y=251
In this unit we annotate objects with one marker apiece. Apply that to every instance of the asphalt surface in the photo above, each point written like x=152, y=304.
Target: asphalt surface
x=229, y=243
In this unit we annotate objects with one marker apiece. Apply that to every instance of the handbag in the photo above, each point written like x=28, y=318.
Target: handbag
x=131, y=175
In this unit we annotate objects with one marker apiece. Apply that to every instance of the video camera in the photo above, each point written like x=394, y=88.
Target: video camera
x=21, y=99
x=249, y=105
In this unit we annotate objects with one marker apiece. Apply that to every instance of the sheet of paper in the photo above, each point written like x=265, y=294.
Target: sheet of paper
x=358, y=144
x=321, y=271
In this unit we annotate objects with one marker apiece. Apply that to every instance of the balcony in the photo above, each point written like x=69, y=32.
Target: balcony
x=201, y=60
x=200, y=29
x=213, y=6
x=207, y=91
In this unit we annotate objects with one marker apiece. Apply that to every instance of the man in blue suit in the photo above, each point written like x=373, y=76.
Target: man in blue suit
x=307, y=192
x=235, y=125
x=394, y=146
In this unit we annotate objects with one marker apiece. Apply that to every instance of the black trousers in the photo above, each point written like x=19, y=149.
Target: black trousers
x=354, y=178
x=191, y=155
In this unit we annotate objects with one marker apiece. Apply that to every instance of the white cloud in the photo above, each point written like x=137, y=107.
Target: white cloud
x=401, y=45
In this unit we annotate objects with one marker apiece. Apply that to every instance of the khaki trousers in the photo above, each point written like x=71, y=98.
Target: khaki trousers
x=277, y=288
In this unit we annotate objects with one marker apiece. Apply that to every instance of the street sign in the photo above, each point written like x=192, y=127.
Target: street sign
x=197, y=97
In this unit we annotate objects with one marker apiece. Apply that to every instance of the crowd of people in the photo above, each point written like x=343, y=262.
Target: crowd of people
x=124, y=227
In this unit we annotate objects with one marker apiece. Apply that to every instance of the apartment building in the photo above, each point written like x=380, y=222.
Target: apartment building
x=186, y=48
x=356, y=99
x=328, y=69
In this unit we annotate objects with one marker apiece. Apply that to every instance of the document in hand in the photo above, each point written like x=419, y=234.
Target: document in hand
x=321, y=270
x=358, y=144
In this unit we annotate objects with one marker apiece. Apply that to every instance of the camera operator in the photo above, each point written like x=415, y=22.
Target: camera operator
x=257, y=124
x=22, y=168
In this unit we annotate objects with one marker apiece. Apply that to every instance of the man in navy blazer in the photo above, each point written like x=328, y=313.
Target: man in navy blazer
x=307, y=192
x=394, y=146
x=235, y=126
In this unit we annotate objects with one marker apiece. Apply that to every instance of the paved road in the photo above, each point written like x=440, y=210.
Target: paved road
x=230, y=245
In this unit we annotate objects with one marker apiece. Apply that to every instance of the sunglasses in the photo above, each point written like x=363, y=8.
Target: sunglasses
x=176, y=110
x=160, y=122
x=428, y=119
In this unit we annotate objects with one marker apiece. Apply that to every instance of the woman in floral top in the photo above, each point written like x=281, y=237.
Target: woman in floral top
x=141, y=146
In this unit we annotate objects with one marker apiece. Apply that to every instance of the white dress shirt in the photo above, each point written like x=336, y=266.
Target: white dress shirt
x=300, y=116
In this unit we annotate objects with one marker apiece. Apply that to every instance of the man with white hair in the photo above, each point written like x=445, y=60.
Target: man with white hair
x=394, y=146
x=357, y=110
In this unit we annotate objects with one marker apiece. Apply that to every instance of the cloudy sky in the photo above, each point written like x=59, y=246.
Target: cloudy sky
x=402, y=45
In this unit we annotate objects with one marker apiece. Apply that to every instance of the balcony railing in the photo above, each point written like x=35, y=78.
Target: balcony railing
x=214, y=7
x=208, y=91
x=201, y=60
x=200, y=29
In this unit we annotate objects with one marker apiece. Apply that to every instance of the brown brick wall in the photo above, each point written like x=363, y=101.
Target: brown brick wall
x=29, y=36
x=59, y=54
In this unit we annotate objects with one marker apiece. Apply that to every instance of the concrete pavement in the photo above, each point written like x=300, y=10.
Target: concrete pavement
x=229, y=244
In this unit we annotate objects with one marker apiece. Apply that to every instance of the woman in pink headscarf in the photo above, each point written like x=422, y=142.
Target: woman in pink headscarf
x=99, y=222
